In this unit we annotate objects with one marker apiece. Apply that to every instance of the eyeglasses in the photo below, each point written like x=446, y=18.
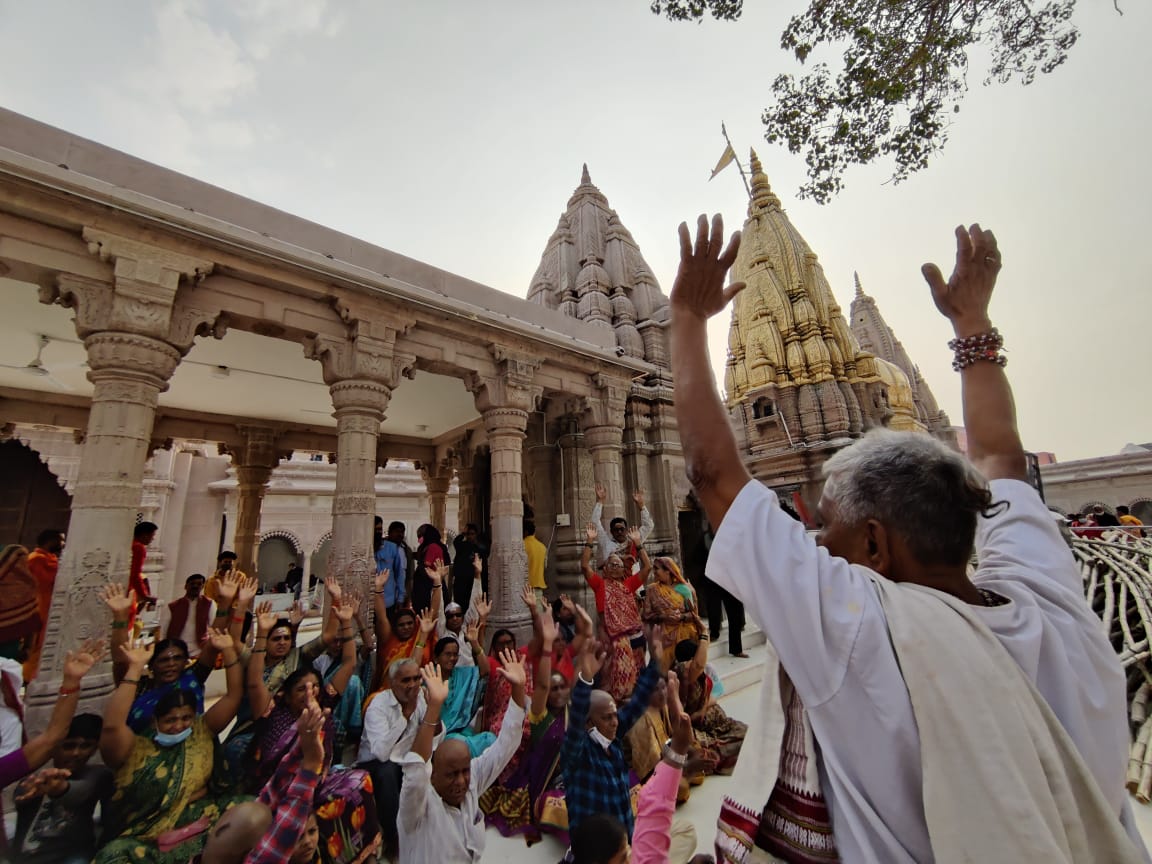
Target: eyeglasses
x=453, y=614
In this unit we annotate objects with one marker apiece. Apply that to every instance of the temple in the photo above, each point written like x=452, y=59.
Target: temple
x=801, y=381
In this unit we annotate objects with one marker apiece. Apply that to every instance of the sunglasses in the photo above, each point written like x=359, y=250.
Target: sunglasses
x=453, y=614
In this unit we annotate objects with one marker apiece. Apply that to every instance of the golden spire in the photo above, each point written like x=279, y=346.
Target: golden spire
x=762, y=194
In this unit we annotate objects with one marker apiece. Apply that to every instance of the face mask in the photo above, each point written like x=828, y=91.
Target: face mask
x=600, y=738
x=163, y=739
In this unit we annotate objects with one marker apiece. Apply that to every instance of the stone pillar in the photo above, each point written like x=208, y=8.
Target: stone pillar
x=254, y=463
x=504, y=400
x=135, y=333
x=466, y=486
x=437, y=479
x=604, y=439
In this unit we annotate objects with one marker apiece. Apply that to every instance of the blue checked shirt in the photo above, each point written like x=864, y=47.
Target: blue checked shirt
x=595, y=779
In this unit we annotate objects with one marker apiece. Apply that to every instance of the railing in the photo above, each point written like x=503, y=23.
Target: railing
x=1116, y=565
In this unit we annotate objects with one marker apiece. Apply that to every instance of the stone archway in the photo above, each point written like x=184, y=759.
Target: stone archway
x=31, y=497
x=277, y=552
x=1141, y=508
x=319, y=558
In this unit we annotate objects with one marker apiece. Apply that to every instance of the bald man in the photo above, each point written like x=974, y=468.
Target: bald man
x=440, y=818
x=268, y=830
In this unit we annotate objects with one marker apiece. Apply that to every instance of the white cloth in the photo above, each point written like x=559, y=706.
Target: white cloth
x=11, y=726
x=825, y=621
x=466, y=658
x=431, y=830
x=388, y=735
x=990, y=743
x=188, y=635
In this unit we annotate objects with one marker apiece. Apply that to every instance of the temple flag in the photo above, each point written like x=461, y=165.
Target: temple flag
x=726, y=159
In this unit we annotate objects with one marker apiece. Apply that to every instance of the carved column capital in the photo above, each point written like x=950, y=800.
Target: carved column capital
x=360, y=396
x=361, y=357
x=259, y=447
x=125, y=358
x=606, y=406
x=513, y=386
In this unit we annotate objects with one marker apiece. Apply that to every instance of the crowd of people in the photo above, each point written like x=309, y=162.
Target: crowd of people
x=928, y=709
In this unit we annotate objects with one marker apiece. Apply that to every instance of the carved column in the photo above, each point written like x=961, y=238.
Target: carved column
x=437, y=479
x=466, y=485
x=604, y=438
x=361, y=372
x=504, y=401
x=254, y=464
x=135, y=331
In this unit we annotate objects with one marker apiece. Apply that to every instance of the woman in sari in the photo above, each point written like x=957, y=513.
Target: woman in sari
x=345, y=807
x=164, y=803
x=617, y=586
x=718, y=737
x=20, y=621
x=433, y=566
x=668, y=610
x=167, y=670
x=464, y=690
x=531, y=800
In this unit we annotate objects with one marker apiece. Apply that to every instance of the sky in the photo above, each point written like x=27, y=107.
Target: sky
x=454, y=132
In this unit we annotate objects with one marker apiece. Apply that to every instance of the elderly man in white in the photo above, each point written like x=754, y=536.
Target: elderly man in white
x=440, y=818
x=956, y=717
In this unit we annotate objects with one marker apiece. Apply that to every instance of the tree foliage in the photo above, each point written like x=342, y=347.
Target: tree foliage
x=904, y=72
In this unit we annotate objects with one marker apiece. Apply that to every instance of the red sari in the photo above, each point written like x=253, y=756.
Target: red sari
x=625, y=635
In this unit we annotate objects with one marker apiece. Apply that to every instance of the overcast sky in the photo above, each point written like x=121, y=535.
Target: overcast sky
x=453, y=131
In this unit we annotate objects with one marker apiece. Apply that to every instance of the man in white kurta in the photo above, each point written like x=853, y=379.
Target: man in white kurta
x=440, y=818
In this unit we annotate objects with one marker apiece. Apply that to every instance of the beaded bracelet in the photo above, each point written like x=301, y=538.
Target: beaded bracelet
x=68, y=691
x=119, y=625
x=972, y=349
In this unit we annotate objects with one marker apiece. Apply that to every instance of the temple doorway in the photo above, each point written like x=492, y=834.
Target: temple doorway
x=31, y=497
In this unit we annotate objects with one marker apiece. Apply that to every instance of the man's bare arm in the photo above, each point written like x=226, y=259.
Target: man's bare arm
x=989, y=412
x=711, y=458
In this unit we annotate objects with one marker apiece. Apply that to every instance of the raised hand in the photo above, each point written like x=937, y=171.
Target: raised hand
x=472, y=633
x=136, y=655
x=332, y=585
x=591, y=532
x=528, y=596
x=655, y=644
x=567, y=603
x=247, y=593
x=477, y=563
x=584, y=616
x=964, y=298
x=512, y=667
x=436, y=688
x=296, y=614
x=638, y=497
x=699, y=287
x=78, y=663
x=219, y=639
x=427, y=623
x=678, y=719
x=591, y=659
x=310, y=728
x=381, y=579
x=119, y=600
x=550, y=633
x=438, y=571
x=228, y=589
x=601, y=493
x=483, y=607
x=266, y=618
x=346, y=610
x=635, y=536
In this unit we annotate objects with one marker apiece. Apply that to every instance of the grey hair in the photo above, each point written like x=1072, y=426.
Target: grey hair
x=916, y=486
x=398, y=664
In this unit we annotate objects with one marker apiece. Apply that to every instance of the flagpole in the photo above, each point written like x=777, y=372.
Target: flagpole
x=743, y=177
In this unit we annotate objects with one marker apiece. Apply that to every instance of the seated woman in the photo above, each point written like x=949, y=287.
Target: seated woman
x=531, y=800
x=669, y=609
x=718, y=737
x=349, y=830
x=616, y=587
x=402, y=638
x=464, y=690
x=163, y=804
x=168, y=669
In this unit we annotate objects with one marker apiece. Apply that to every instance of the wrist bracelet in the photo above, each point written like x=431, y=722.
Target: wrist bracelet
x=435, y=725
x=982, y=346
x=678, y=759
x=119, y=625
x=233, y=663
x=68, y=691
x=129, y=681
x=258, y=651
x=222, y=613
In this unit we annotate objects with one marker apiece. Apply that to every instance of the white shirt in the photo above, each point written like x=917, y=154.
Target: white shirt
x=461, y=638
x=388, y=735
x=431, y=830
x=607, y=544
x=826, y=622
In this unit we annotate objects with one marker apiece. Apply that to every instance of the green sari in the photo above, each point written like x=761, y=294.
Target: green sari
x=160, y=790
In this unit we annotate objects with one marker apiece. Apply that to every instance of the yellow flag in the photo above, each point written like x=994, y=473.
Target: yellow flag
x=725, y=160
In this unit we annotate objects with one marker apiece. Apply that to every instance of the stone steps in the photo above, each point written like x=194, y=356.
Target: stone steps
x=739, y=672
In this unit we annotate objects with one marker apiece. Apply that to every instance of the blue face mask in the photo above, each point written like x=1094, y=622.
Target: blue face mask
x=164, y=739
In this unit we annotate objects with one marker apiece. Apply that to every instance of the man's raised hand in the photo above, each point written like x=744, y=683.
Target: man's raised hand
x=699, y=287
x=964, y=298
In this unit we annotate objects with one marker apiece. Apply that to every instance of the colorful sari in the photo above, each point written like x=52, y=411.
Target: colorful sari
x=157, y=792
x=665, y=603
x=718, y=737
x=531, y=800
x=149, y=694
x=239, y=740
x=459, y=708
x=625, y=639
x=496, y=698
x=345, y=806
